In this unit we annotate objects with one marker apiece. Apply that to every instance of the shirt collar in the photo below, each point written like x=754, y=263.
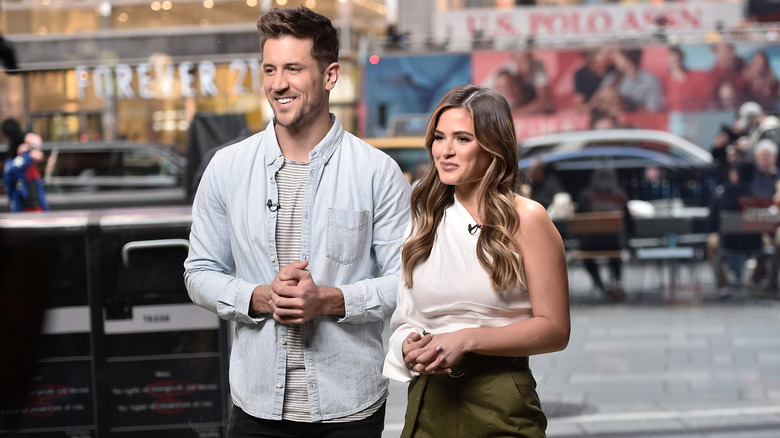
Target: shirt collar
x=324, y=149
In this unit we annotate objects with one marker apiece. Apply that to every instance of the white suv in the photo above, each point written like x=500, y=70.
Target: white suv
x=648, y=139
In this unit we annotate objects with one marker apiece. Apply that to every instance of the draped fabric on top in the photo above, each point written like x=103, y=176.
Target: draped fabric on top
x=451, y=291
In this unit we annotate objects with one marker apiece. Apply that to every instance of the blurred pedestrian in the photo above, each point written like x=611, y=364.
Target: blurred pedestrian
x=544, y=182
x=296, y=233
x=756, y=125
x=765, y=179
x=21, y=174
x=604, y=194
x=757, y=186
x=724, y=151
x=738, y=187
x=483, y=285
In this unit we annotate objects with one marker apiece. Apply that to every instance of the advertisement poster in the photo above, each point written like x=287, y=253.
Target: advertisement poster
x=582, y=21
x=691, y=90
x=396, y=85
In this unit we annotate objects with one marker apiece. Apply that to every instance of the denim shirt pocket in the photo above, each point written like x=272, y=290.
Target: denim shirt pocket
x=346, y=235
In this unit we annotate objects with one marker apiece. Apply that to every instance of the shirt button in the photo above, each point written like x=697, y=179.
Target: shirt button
x=283, y=341
x=279, y=384
x=273, y=215
x=273, y=259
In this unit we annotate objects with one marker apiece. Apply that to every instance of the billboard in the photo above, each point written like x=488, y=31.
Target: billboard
x=506, y=25
x=656, y=86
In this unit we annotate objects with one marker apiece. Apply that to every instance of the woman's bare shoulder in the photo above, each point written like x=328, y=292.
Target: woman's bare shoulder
x=529, y=209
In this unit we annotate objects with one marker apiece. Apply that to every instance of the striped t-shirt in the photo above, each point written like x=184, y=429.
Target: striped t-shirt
x=291, y=181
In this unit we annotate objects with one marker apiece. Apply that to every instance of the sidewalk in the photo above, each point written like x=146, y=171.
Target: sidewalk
x=655, y=370
x=696, y=367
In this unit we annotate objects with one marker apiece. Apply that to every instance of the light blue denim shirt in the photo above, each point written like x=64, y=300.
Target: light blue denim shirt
x=355, y=211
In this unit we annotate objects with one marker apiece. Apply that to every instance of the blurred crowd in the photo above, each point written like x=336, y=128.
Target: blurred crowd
x=746, y=156
x=746, y=160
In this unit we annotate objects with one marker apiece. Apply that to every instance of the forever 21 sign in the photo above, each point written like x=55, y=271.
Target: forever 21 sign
x=163, y=80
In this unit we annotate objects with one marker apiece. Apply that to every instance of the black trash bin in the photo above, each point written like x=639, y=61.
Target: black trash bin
x=47, y=368
x=160, y=359
x=121, y=351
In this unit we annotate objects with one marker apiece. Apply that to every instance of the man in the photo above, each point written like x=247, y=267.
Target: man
x=587, y=79
x=289, y=228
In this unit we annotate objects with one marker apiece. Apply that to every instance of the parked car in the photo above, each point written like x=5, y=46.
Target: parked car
x=648, y=139
x=652, y=165
x=109, y=174
x=644, y=174
x=685, y=170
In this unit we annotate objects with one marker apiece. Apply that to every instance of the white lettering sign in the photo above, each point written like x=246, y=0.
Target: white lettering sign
x=583, y=20
x=155, y=81
x=144, y=80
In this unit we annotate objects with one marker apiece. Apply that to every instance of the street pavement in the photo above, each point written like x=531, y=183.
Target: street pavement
x=686, y=364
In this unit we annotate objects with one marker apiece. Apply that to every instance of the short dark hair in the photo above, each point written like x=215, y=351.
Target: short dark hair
x=301, y=22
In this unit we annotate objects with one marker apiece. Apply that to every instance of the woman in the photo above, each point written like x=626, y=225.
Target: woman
x=760, y=80
x=483, y=284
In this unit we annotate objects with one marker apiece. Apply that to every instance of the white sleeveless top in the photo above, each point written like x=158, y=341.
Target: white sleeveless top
x=451, y=292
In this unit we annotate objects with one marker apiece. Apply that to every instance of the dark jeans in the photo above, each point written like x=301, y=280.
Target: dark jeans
x=243, y=425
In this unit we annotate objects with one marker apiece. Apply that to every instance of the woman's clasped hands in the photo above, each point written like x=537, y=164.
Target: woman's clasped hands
x=426, y=354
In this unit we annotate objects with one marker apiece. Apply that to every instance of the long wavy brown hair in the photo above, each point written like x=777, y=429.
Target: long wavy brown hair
x=495, y=132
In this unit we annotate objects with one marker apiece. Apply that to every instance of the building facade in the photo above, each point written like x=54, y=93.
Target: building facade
x=140, y=70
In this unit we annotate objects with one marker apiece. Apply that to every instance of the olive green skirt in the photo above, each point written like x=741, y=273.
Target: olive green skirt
x=503, y=404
